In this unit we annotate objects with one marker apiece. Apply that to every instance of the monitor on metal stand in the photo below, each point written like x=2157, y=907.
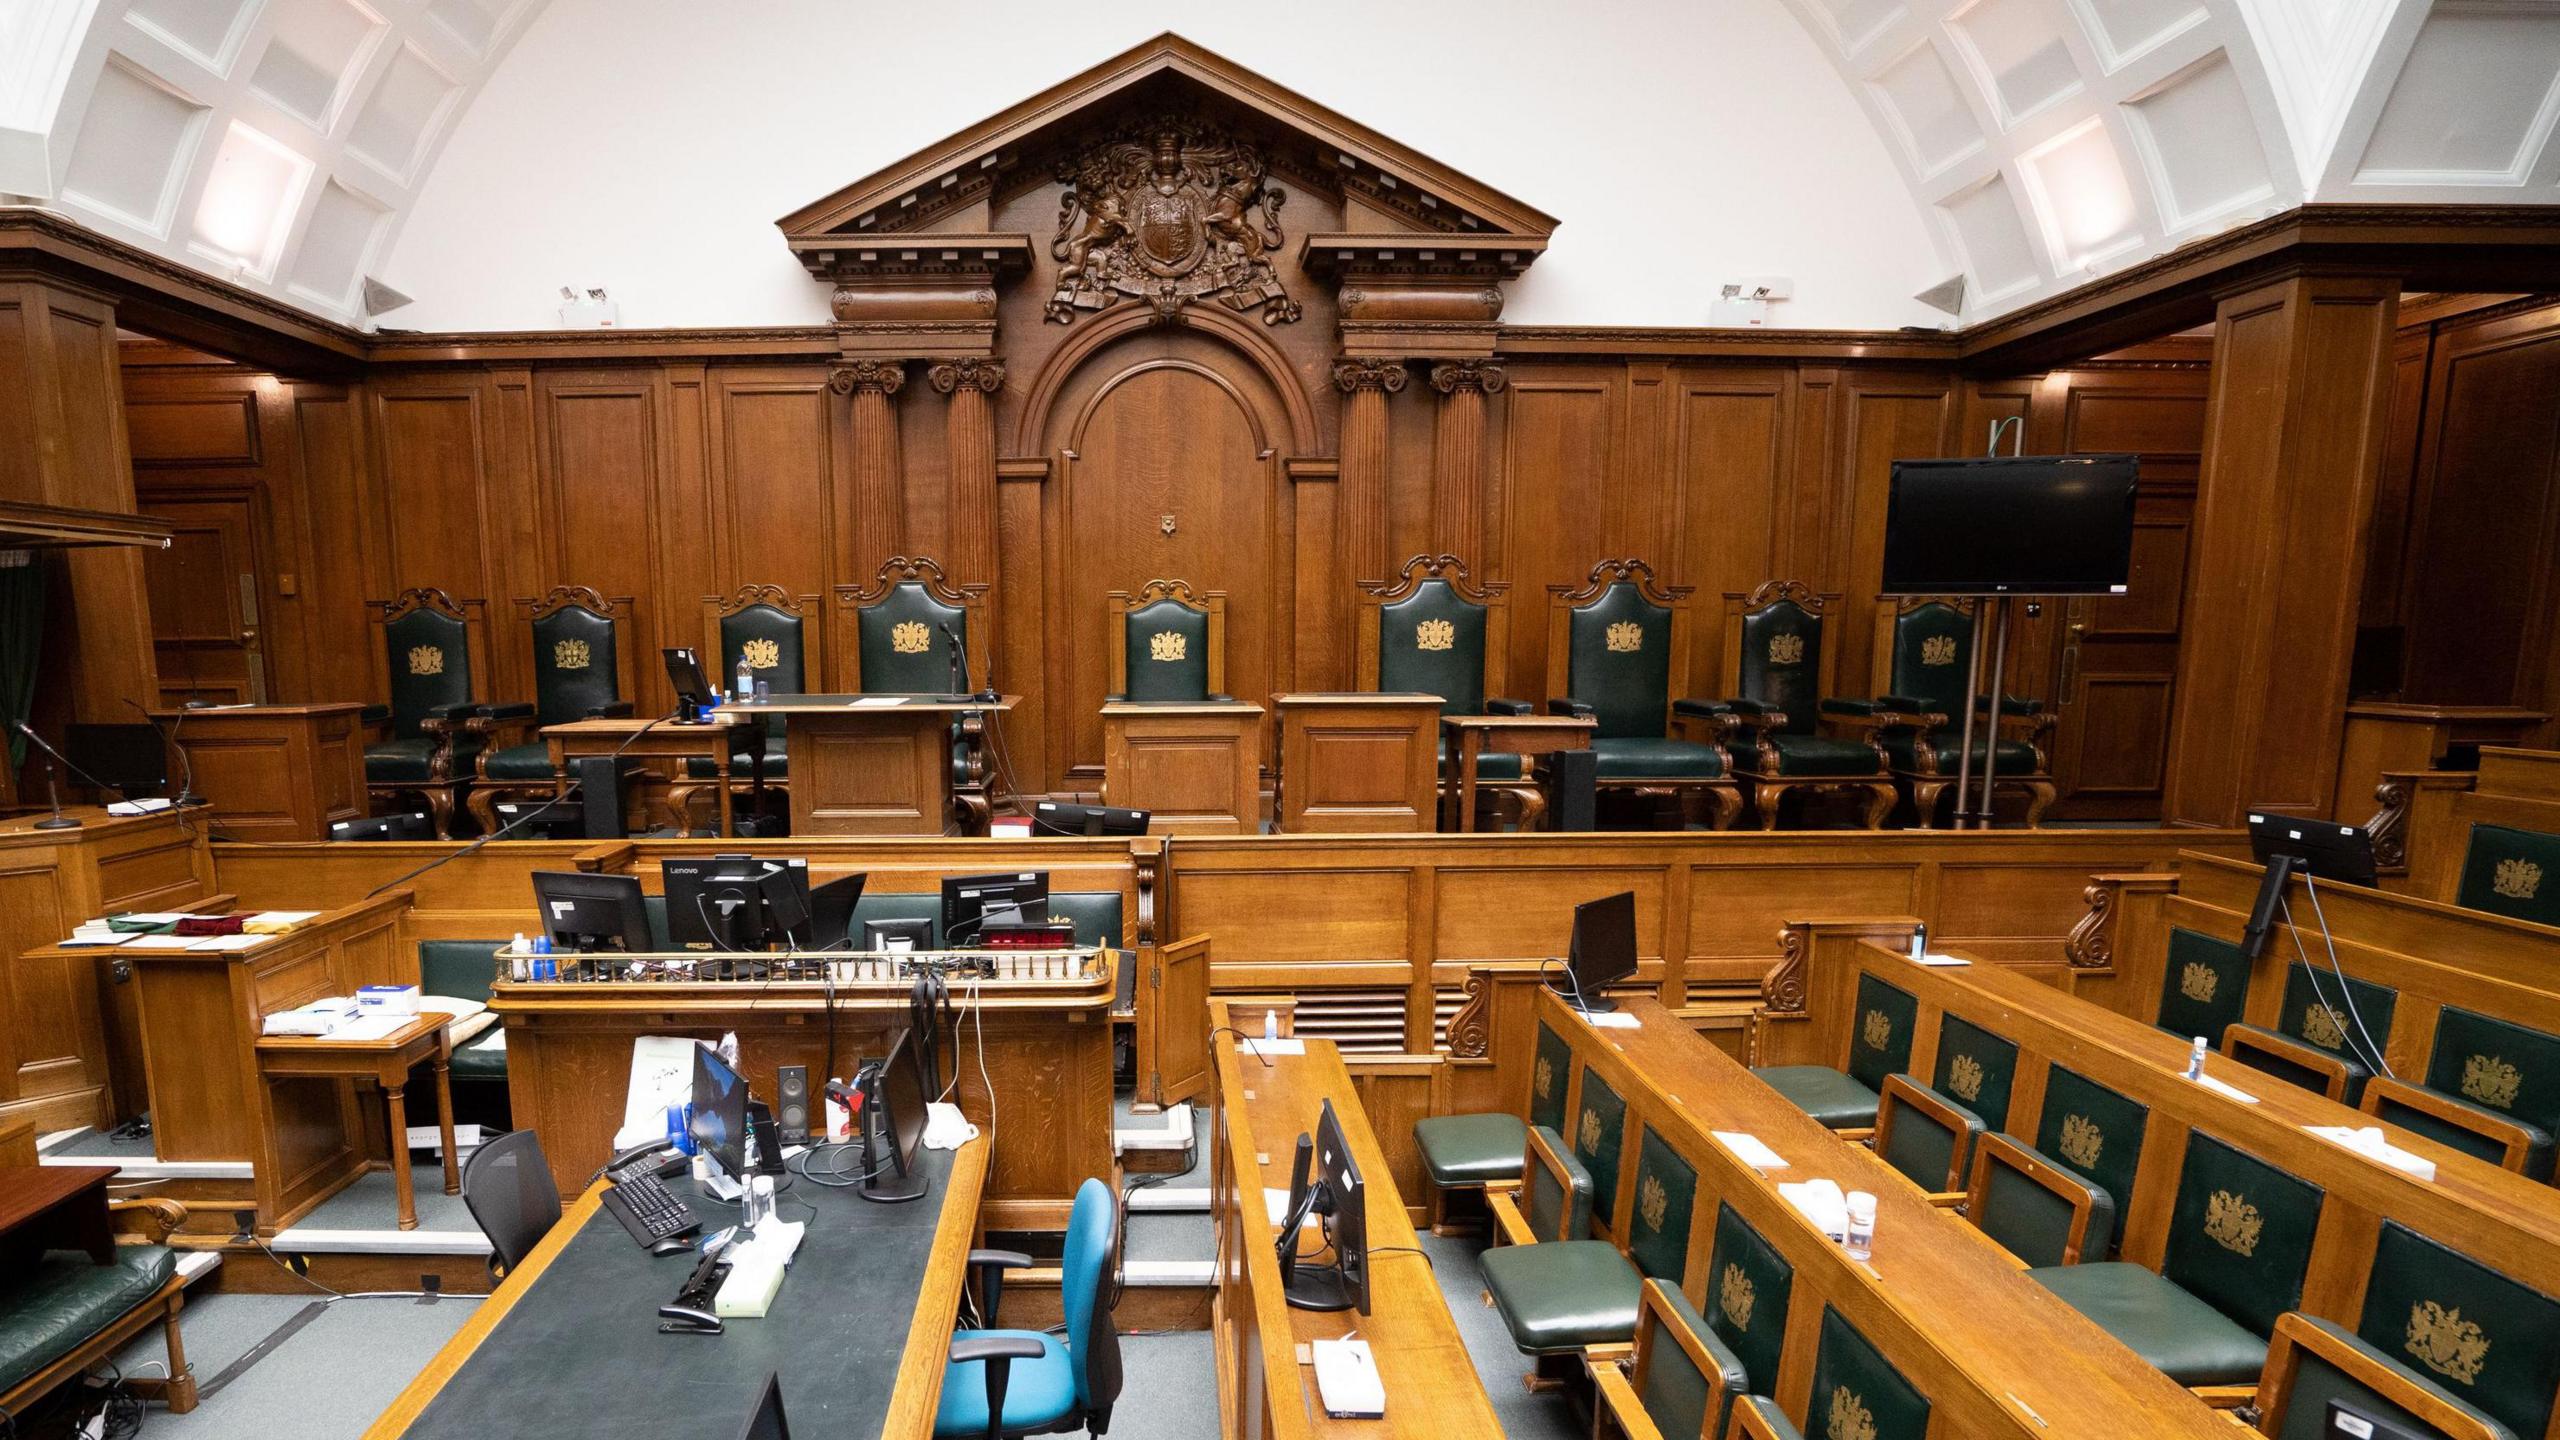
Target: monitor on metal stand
x=719, y=1121
x=1339, y=1196
x=969, y=901
x=1603, y=951
x=586, y=912
x=893, y=1129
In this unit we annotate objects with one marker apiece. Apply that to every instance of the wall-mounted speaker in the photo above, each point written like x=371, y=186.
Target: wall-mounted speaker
x=791, y=1103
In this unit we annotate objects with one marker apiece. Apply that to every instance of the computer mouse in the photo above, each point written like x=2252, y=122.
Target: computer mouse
x=672, y=1245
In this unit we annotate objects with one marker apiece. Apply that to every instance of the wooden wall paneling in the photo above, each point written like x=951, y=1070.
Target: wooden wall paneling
x=774, y=479
x=1561, y=426
x=602, y=452
x=432, y=446
x=1885, y=416
x=1024, y=580
x=2395, y=494
x=686, y=565
x=1805, y=507
x=1638, y=504
x=1729, y=445
x=339, y=560
x=518, y=540
x=1321, y=637
x=214, y=453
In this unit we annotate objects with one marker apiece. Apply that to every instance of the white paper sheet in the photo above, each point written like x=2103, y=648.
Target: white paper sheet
x=876, y=702
x=1750, y=1150
x=2234, y=1092
x=1612, y=1020
x=661, y=1075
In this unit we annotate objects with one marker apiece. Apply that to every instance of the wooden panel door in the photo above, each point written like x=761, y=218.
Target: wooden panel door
x=1173, y=1022
x=2119, y=669
x=204, y=598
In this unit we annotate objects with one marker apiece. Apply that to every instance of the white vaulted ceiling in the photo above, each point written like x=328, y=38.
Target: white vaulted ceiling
x=284, y=143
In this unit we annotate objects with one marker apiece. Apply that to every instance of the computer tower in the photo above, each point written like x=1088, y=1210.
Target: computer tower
x=600, y=780
x=1573, y=779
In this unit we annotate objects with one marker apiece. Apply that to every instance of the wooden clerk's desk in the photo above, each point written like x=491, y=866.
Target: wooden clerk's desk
x=1195, y=766
x=1265, y=1387
x=713, y=739
x=2382, y=736
x=870, y=764
x=273, y=772
x=1356, y=761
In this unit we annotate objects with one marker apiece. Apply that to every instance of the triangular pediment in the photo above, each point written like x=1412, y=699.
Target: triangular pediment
x=951, y=188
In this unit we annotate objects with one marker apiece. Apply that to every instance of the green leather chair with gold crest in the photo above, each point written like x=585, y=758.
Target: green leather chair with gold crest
x=1618, y=654
x=1857, y=1391
x=903, y=625
x=427, y=740
x=581, y=671
x=1924, y=652
x=2511, y=872
x=774, y=632
x=1781, y=669
x=1682, y=1380
x=1433, y=631
x=2312, y=1362
x=1172, y=643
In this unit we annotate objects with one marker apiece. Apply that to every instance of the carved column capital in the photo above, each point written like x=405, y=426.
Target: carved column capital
x=1353, y=375
x=1482, y=376
x=881, y=377
x=986, y=376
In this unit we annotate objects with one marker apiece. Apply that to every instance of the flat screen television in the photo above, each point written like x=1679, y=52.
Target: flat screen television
x=2010, y=525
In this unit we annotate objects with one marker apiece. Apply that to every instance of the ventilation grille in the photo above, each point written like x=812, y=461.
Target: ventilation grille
x=1360, y=1021
x=1444, y=1005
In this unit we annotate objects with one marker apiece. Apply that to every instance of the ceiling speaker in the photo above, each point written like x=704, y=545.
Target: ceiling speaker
x=380, y=299
x=1946, y=295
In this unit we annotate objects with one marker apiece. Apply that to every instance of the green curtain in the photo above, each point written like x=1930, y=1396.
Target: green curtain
x=22, y=587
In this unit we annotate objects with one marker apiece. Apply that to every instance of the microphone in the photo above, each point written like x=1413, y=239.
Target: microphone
x=959, y=660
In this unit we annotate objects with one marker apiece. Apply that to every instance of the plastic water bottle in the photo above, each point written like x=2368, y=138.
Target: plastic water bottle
x=2195, y=1060
x=1860, y=1241
x=746, y=681
x=1270, y=1024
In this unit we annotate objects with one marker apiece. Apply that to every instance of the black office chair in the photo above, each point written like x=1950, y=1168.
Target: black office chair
x=508, y=1186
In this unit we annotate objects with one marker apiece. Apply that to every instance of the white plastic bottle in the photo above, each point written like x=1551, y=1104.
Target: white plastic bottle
x=1270, y=1024
x=746, y=681
x=1860, y=1240
x=2195, y=1060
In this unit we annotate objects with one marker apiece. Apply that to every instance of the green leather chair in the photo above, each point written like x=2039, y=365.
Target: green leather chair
x=2039, y=1211
x=2204, y=986
x=2327, y=1033
x=462, y=970
x=1976, y=1068
x=1925, y=1136
x=1682, y=1379
x=1433, y=631
x=1757, y=1417
x=1618, y=654
x=1856, y=1391
x=2463, y=1325
x=1170, y=643
x=771, y=628
x=581, y=671
x=426, y=742
x=1563, y=1291
x=1924, y=651
x=2239, y=1245
x=902, y=624
x=2096, y=1134
x=62, y=1314
x=1879, y=1045
x=1781, y=670
x=2511, y=872
x=2312, y=1362
x=1749, y=1287
x=2492, y=1089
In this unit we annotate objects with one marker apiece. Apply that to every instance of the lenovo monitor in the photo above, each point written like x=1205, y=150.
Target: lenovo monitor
x=2010, y=525
x=893, y=1127
x=735, y=903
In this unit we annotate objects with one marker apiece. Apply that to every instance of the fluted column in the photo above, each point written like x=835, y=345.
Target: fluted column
x=1457, y=456
x=970, y=425
x=873, y=383
x=1361, y=502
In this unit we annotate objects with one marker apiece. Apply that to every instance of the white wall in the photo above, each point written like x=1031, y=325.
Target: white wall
x=648, y=145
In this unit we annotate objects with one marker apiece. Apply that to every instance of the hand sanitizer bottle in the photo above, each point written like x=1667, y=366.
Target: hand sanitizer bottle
x=1270, y=1024
x=2195, y=1060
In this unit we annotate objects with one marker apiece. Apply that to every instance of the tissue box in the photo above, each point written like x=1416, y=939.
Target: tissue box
x=387, y=1000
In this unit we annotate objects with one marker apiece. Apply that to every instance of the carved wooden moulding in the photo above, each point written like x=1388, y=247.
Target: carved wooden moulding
x=1169, y=209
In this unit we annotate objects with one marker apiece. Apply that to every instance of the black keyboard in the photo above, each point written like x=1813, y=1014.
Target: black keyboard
x=649, y=1210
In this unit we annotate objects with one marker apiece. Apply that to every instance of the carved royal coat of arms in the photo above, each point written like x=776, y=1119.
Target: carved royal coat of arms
x=1167, y=211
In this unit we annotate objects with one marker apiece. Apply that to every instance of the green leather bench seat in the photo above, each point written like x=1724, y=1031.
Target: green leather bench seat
x=518, y=762
x=1561, y=1295
x=2511, y=872
x=482, y=1057
x=1460, y=1150
x=1823, y=1093
x=1814, y=755
x=462, y=970
x=409, y=759
x=1489, y=766
x=1902, y=751
x=54, y=1308
x=2180, y=1335
x=2507, y=1069
x=2317, y=1382
x=1642, y=757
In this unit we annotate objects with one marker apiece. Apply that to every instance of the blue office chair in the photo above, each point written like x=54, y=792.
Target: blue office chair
x=1026, y=1382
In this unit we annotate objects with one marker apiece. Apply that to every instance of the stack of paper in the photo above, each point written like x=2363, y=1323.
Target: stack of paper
x=2369, y=1143
x=277, y=922
x=320, y=1017
x=1822, y=1203
x=97, y=932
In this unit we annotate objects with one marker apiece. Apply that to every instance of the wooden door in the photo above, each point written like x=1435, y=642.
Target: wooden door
x=204, y=596
x=1173, y=1022
x=1171, y=471
x=2119, y=671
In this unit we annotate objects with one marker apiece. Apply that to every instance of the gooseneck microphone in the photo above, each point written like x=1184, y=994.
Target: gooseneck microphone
x=52, y=786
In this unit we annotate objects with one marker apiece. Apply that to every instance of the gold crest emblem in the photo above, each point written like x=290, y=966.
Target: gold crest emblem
x=910, y=637
x=1878, y=1030
x=1626, y=637
x=2233, y=1223
x=1587, y=1139
x=1435, y=635
x=2445, y=1342
x=2516, y=879
x=2491, y=1080
x=2197, y=981
x=426, y=660
x=2322, y=1027
x=1964, y=1077
x=569, y=655
x=1168, y=645
x=1652, y=1200
x=2080, y=1140
x=1546, y=1077
x=1786, y=649
x=1733, y=1292
x=1850, y=1419
x=761, y=654
x=1938, y=650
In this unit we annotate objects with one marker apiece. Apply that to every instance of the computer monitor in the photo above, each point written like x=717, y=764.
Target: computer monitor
x=831, y=912
x=582, y=911
x=735, y=903
x=719, y=1120
x=970, y=901
x=900, y=932
x=132, y=759
x=1049, y=817
x=2326, y=849
x=1603, y=953
x=684, y=672
x=767, y=1422
x=412, y=826
x=2350, y=1421
x=893, y=1127
x=1335, y=1192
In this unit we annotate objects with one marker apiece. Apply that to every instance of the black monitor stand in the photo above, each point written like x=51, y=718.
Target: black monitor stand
x=1563, y=984
x=887, y=1178
x=1305, y=1286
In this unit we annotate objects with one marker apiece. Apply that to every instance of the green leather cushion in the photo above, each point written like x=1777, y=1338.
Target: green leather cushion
x=1857, y=1392
x=1902, y=751
x=1976, y=1068
x=788, y=674
x=926, y=671
x=2276, y=1063
x=428, y=656
x=1636, y=757
x=1784, y=678
x=1172, y=677
x=2180, y=1335
x=1928, y=1153
x=483, y=1057
x=1813, y=755
x=1454, y=670
x=2096, y=1134
x=2497, y=1063
x=1488, y=766
x=1880, y=1037
x=574, y=664
x=1629, y=689
x=1749, y=1286
x=64, y=1299
x=1935, y=679
x=2204, y=986
x=518, y=762
x=1599, y=1139
x=1823, y=1093
x=1672, y=1389
x=1562, y=1295
x=2449, y=1318
x=2319, y=1011
x=2240, y=1233
x=777, y=762
x=2033, y=1223
x=460, y=969
x=1471, y=1149
x=410, y=759
x=2317, y=1382
x=1548, y=1078
x=2511, y=872
x=1657, y=1232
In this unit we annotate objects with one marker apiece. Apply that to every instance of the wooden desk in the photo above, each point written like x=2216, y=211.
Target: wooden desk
x=1356, y=761
x=1263, y=1390
x=386, y=1063
x=54, y=1207
x=1471, y=737
x=726, y=733
x=870, y=769
x=273, y=772
x=2380, y=736
x=574, y=1328
x=1196, y=767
